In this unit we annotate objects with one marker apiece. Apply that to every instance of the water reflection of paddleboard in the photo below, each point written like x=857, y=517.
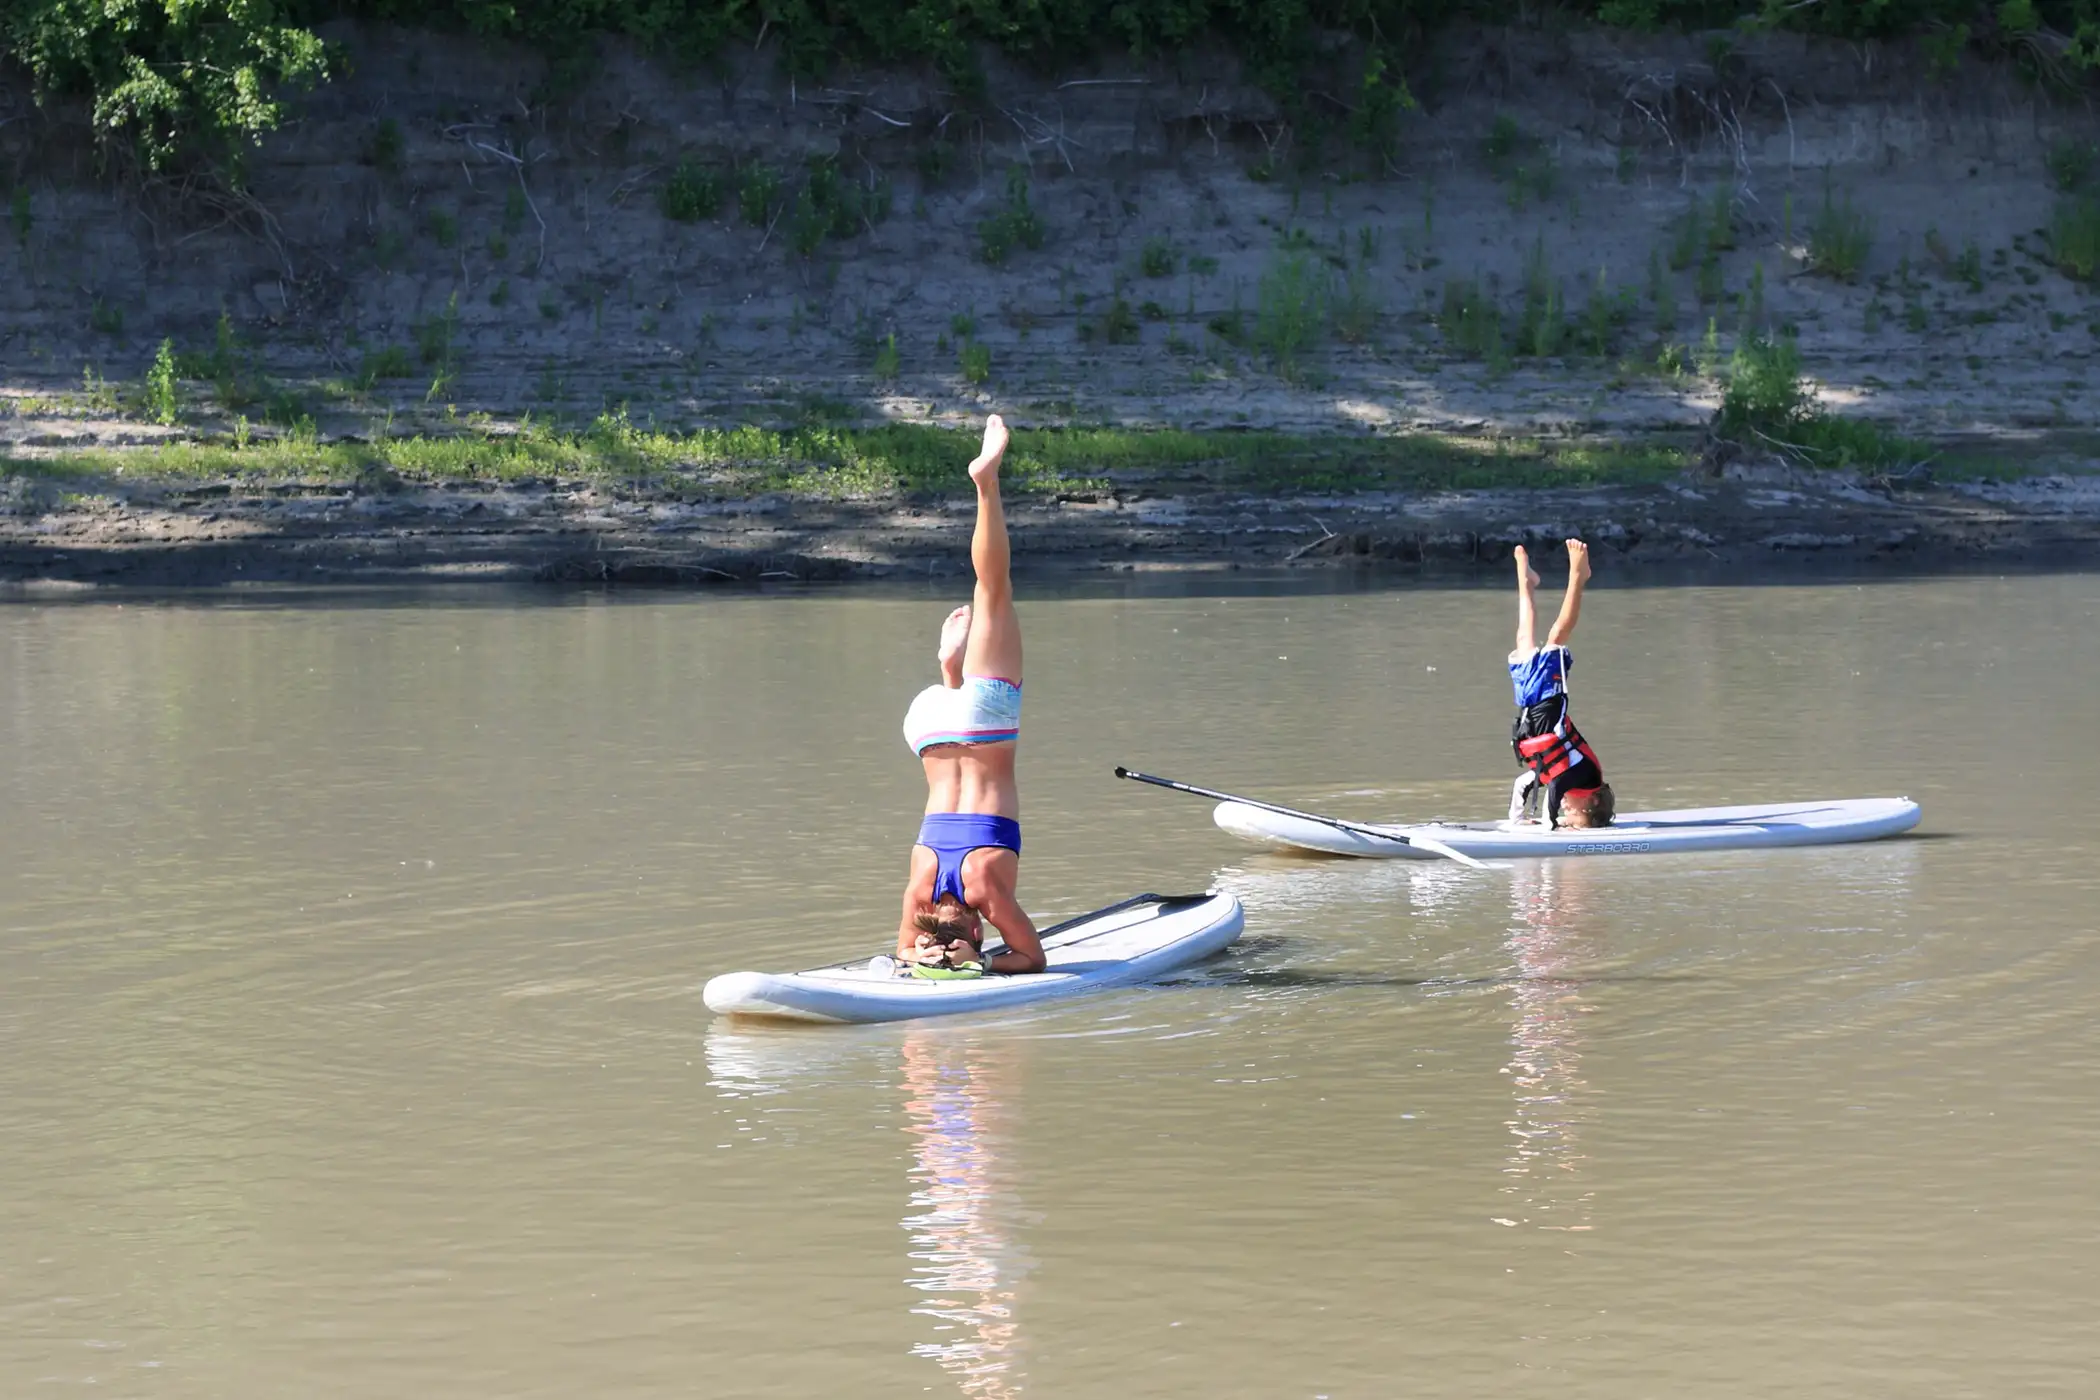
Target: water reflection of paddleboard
x=1128, y=942
x=1816, y=823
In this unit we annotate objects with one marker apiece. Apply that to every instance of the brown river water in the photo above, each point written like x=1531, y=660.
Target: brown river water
x=351, y=1042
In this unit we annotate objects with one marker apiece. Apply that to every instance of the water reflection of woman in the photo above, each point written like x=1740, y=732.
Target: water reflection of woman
x=962, y=1259
x=1549, y=913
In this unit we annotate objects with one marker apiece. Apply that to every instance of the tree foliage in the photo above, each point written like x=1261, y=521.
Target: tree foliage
x=182, y=78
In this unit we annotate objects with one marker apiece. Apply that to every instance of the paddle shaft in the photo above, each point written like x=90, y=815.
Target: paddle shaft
x=1355, y=828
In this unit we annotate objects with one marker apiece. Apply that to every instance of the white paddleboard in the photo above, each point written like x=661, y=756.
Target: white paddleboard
x=1128, y=942
x=1817, y=823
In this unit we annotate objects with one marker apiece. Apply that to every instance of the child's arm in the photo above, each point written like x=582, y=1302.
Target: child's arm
x=1571, y=605
x=1527, y=606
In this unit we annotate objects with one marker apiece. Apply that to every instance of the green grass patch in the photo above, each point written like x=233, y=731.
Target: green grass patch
x=889, y=460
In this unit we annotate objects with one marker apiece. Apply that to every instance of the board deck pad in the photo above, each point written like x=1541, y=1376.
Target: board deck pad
x=1138, y=938
x=1824, y=821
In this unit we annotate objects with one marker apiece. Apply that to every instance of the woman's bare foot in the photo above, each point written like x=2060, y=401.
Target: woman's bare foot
x=1524, y=569
x=955, y=635
x=1578, y=560
x=985, y=470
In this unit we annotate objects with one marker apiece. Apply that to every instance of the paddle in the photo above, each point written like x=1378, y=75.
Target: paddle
x=1357, y=828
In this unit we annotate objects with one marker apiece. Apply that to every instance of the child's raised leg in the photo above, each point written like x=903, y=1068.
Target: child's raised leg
x=1571, y=604
x=1527, y=605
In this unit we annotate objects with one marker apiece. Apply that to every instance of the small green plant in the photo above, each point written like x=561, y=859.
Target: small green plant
x=500, y=294
x=387, y=247
x=101, y=395
x=1015, y=225
x=1153, y=311
x=808, y=224
x=2071, y=165
x=1839, y=239
x=1356, y=306
x=1157, y=259
x=384, y=150
x=434, y=337
x=514, y=207
x=387, y=362
x=1119, y=324
x=692, y=193
x=499, y=247
x=163, y=393
x=21, y=215
x=1720, y=222
x=1504, y=140
x=758, y=186
x=976, y=362
x=106, y=318
x=1662, y=293
x=1688, y=238
x=887, y=361
x=1602, y=315
x=444, y=228
x=1968, y=266
x=1470, y=322
x=1203, y=265
x=1291, y=309
x=2074, y=237
x=963, y=324
x=1710, y=284
x=1229, y=326
x=1543, y=324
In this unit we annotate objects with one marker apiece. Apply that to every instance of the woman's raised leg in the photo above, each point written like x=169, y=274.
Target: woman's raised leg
x=994, y=648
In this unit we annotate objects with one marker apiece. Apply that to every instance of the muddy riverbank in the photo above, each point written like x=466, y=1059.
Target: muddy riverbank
x=1756, y=518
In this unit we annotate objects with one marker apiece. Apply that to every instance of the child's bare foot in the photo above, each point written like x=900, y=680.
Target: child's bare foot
x=1578, y=560
x=1524, y=569
x=985, y=470
x=955, y=635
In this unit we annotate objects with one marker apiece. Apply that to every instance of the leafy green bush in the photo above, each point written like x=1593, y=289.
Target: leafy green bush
x=976, y=362
x=207, y=77
x=164, y=79
x=1766, y=399
x=1765, y=392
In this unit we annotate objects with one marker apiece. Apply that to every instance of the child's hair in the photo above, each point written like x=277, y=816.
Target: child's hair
x=1595, y=807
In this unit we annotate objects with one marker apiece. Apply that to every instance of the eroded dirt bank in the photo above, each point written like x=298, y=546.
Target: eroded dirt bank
x=1761, y=519
x=442, y=231
x=443, y=243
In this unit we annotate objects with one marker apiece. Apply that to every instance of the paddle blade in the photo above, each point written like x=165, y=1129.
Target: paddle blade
x=1448, y=852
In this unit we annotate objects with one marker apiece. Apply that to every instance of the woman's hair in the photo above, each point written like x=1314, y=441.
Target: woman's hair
x=948, y=920
x=1595, y=807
